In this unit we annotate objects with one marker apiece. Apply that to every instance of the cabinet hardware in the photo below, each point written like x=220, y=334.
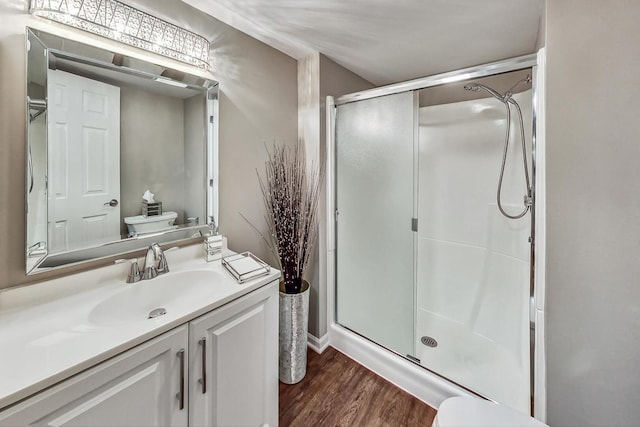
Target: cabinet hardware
x=180, y=395
x=203, y=380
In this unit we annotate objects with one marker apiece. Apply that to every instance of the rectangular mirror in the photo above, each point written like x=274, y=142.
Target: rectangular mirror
x=105, y=130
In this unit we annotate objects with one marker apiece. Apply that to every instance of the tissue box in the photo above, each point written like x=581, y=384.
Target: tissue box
x=151, y=209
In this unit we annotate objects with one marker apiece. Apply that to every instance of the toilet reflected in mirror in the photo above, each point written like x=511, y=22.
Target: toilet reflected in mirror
x=140, y=225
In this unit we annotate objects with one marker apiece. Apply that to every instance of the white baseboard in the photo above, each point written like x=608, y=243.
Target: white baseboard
x=318, y=344
x=413, y=379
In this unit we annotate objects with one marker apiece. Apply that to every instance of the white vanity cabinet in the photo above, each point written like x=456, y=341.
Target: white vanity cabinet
x=219, y=369
x=135, y=388
x=234, y=359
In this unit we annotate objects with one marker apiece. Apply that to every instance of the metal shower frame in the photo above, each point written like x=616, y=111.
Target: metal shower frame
x=498, y=67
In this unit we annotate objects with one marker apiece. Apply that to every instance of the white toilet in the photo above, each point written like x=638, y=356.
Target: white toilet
x=476, y=412
x=139, y=224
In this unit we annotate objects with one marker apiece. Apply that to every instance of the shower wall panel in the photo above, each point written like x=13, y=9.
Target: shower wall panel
x=473, y=263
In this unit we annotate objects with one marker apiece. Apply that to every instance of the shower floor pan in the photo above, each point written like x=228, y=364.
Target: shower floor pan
x=474, y=361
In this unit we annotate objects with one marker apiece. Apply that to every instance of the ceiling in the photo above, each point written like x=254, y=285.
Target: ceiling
x=387, y=41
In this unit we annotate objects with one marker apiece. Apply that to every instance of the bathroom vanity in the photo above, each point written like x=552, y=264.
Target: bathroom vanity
x=82, y=350
x=189, y=347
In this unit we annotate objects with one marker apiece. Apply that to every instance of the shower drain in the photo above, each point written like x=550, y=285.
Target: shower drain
x=429, y=341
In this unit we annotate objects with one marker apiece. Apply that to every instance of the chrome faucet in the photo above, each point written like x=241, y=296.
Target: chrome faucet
x=154, y=262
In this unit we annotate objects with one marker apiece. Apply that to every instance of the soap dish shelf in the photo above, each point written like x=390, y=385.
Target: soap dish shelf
x=245, y=266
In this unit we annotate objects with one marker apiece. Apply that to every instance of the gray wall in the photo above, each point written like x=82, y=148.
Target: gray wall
x=151, y=156
x=319, y=77
x=258, y=103
x=593, y=212
x=12, y=144
x=195, y=158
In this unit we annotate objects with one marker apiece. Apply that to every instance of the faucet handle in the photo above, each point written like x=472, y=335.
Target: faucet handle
x=150, y=272
x=163, y=266
x=134, y=272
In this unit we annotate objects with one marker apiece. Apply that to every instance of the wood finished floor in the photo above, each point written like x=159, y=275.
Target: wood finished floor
x=340, y=392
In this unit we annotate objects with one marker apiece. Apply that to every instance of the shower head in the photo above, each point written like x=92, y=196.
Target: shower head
x=474, y=87
x=508, y=94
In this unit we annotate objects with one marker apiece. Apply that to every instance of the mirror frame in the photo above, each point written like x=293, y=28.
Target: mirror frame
x=207, y=86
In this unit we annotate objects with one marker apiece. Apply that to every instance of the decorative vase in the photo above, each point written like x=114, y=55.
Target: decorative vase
x=294, y=321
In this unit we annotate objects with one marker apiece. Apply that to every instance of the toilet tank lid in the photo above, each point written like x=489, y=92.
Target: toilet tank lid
x=139, y=219
x=475, y=412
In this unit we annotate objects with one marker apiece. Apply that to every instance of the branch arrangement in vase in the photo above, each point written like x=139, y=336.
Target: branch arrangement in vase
x=291, y=190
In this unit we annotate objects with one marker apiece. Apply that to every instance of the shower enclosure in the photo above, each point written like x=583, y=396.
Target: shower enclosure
x=434, y=225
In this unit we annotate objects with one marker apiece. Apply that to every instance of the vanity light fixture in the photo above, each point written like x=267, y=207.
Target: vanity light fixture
x=170, y=82
x=123, y=23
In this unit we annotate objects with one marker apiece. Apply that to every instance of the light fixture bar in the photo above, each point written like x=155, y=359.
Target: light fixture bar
x=123, y=23
x=170, y=82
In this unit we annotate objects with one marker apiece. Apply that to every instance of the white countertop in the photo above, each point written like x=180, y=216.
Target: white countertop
x=47, y=335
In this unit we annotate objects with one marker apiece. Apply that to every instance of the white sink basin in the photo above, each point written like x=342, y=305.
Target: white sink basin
x=174, y=292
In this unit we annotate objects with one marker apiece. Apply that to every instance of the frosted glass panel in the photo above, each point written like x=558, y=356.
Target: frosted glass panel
x=374, y=198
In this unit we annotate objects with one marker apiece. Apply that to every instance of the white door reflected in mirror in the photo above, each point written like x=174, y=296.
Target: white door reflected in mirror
x=84, y=161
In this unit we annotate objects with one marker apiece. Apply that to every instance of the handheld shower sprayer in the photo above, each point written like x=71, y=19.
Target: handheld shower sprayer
x=507, y=100
x=475, y=87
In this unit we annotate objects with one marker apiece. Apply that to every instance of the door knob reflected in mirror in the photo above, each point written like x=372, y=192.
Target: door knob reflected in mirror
x=113, y=203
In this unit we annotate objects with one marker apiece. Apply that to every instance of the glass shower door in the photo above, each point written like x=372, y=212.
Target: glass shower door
x=454, y=294
x=473, y=265
x=375, y=258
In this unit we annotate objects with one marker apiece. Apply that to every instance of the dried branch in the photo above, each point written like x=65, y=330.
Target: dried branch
x=291, y=193
x=266, y=241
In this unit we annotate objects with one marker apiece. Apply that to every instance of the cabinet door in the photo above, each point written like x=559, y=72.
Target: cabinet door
x=234, y=371
x=136, y=388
